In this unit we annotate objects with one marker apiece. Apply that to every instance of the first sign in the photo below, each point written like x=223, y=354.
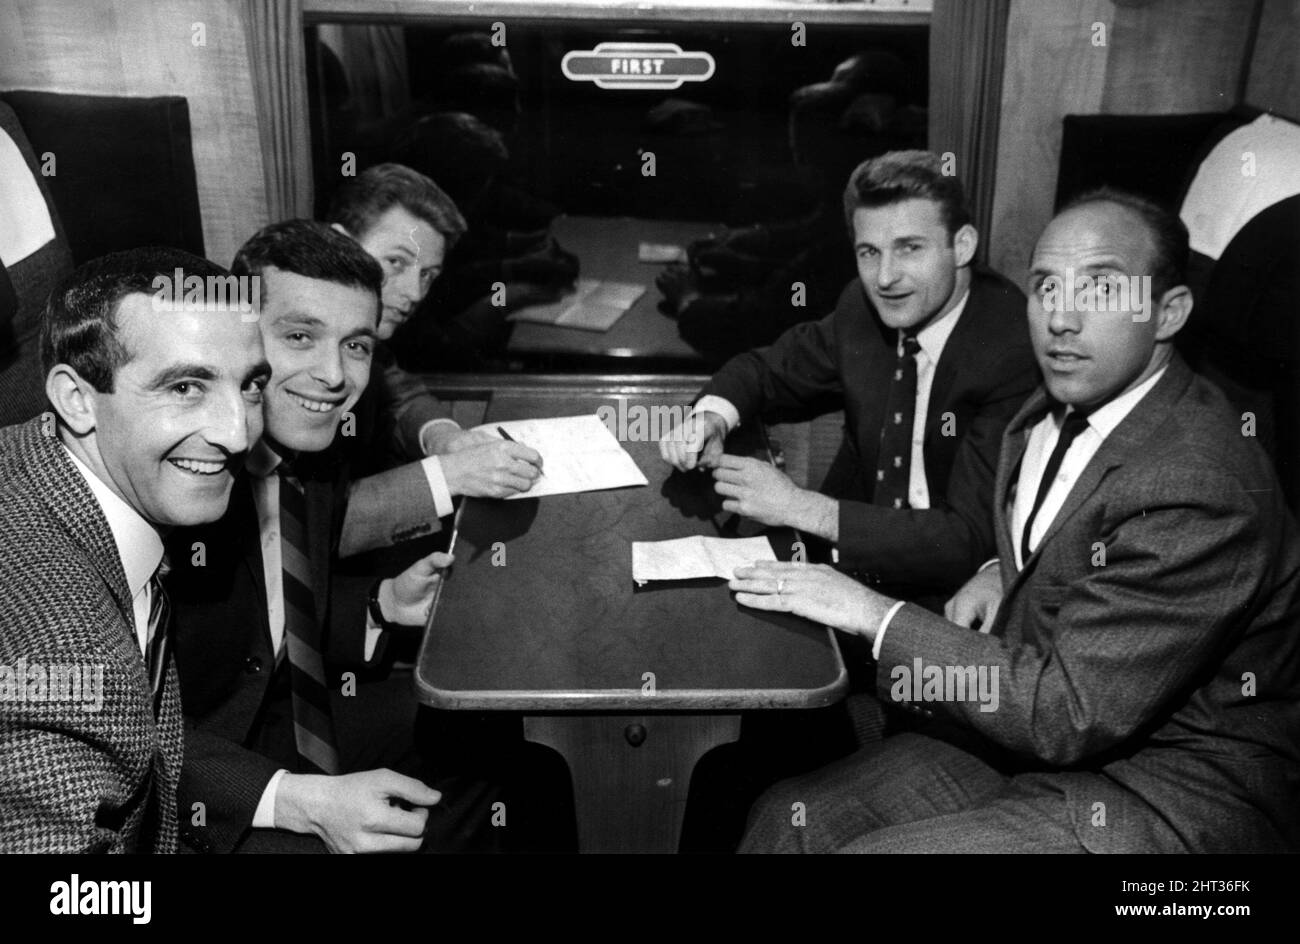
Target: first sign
x=637, y=66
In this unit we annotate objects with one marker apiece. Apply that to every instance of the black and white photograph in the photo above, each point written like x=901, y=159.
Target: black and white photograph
x=690, y=427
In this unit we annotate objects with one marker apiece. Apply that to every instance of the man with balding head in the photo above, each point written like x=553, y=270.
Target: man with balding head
x=1134, y=683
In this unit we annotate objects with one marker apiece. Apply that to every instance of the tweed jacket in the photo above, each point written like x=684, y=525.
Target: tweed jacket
x=75, y=776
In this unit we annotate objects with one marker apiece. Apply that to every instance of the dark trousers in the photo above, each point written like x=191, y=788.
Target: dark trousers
x=498, y=793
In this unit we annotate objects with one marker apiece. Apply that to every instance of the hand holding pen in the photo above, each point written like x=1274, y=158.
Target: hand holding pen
x=508, y=438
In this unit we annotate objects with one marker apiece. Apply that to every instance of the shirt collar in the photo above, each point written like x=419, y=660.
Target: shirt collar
x=262, y=460
x=139, y=545
x=1106, y=417
x=934, y=336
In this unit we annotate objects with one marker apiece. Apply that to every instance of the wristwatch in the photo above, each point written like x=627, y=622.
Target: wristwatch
x=376, y=611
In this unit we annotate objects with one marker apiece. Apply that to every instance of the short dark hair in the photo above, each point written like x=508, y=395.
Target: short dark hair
x=363, y=199
x=907, y=175
x=1168, y=234
x=484, y=90
x=313, y=250
x=464, y=49
x=80, y=327
x=456, y=149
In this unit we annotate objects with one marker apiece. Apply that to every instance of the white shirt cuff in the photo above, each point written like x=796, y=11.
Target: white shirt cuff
x=264, y=815
x=884, y=625
x=424, y=431
x=720, y=405
x=373, y=632
x=432, y=466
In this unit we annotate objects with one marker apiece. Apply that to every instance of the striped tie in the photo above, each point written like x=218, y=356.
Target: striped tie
x=313, y=724
x=158, y=646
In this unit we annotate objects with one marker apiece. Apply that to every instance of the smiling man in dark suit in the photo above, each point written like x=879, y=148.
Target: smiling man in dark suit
x=154, y=405
x=929, y=359
x=282, y=751
x=1134, y=683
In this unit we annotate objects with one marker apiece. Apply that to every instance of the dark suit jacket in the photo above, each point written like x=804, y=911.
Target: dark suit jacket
x=223, y=648
x=72, y=779
x=846, y=360
x=1165, y=683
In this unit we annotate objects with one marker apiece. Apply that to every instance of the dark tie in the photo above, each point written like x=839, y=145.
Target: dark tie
x=894, y=460
x=313, y=722
x=158, y=644
x=1075, y=423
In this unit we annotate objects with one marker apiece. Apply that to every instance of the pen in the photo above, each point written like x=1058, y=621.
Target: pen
x=508, y=438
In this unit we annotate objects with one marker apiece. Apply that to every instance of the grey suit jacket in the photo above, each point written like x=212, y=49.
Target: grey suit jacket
x=1164, y=682
x=388, y=508
x=75, y=777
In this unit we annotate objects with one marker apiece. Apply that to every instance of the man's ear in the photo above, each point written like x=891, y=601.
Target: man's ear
x=964, y=243
x=72, y=397
x=1172, y=311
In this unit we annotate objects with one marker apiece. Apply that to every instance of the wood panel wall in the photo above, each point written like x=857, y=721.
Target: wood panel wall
x=140, y=48
x=1160, y=56
x=1275, y=68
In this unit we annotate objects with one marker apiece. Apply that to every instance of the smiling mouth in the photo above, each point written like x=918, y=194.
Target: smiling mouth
x=1066, y=357
x=314, y=406
x=199, y=466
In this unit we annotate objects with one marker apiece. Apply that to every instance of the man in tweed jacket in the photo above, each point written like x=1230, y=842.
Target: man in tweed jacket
x=154, y=405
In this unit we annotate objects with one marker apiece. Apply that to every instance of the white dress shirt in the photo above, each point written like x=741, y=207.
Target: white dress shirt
x=139, y=547
x=1042, y=440
x=432, y=466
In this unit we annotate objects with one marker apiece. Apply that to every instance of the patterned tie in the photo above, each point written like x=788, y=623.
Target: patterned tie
x=1075, y=423
x=313, y=723
x=158, y=645
x=894, y=460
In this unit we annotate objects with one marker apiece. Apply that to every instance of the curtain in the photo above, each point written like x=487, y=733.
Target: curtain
x=374, y=61
x=274, y=34
x=968, y=41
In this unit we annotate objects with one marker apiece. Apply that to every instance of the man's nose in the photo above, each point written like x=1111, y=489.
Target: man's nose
x=886, y=271
x=408, y=286
x=1062, y=318
x=232, y=424
x=328, y=369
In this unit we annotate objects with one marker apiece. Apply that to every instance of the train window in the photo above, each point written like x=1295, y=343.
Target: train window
x=639, y=195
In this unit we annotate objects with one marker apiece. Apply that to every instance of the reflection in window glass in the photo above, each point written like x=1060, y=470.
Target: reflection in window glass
x=728, y=189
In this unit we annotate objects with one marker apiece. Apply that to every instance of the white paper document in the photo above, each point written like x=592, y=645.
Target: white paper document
x=660, y=253
x=698, y=556
x=579, y=454
x=592, y=305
